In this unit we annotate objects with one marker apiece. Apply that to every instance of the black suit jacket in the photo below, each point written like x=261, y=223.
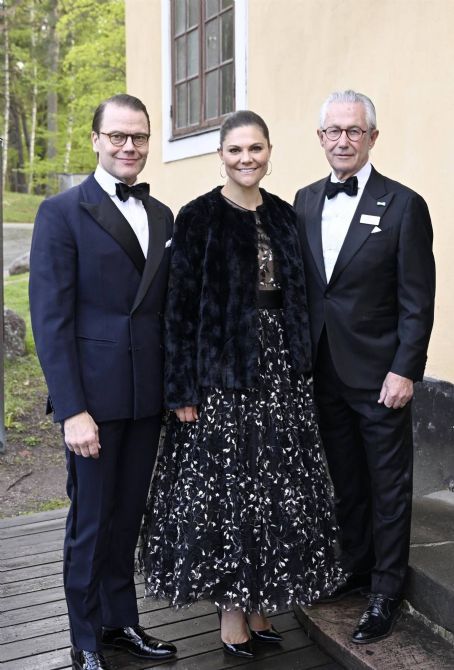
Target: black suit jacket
x=378, y=304
x=97, y=305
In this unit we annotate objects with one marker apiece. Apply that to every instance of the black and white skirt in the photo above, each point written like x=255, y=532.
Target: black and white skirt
x=240, y=508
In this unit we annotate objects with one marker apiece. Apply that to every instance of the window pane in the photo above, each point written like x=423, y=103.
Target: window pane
x=180, y=15
x=211, y=7
x=194, y=11
x=181, y=58
x=194, y=101
x=227, y=36
x=181, y=120
x=227, y=89
x=212, y=43
x=212, y=95
x=193, y=53
x=226, y=3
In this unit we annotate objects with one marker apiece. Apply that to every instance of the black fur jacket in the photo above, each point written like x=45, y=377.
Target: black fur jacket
x=211, y=314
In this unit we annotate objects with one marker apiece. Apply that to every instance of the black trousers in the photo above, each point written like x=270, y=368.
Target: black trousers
x=369, y=450
x=108, y=497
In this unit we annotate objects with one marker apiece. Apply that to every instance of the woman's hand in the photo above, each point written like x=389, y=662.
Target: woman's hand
x=187, y=413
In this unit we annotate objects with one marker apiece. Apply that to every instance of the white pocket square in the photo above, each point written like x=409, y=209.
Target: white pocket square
x=375, y=230
x=168, y=243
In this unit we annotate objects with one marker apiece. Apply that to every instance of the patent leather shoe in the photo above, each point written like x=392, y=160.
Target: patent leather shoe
x=89, y=660
x=355, y=583
x=269, y=635
x=239, y=649
x=378, y=620
x=135, y=640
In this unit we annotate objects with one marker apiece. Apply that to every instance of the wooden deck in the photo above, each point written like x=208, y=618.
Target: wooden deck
x=34, y=624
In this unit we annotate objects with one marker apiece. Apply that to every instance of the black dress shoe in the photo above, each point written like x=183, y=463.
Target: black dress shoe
x=135, y=640
x=240, y=649
x=378, y=620
x=88, y=660
x=356, y=583
x=269, y=635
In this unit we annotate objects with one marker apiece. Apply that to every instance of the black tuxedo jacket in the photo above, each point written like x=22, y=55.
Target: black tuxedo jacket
x=96, y=304
x=378, y=305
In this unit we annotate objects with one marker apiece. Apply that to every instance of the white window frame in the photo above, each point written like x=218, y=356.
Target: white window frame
x=205, y=142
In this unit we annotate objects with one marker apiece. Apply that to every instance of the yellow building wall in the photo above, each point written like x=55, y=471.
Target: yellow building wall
x=398, y=52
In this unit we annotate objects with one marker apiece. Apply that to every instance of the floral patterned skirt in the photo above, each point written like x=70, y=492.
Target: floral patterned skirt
x=240, y=507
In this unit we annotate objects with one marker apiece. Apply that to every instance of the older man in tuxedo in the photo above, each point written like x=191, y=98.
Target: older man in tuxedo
x=98, y=277
x=367, y=244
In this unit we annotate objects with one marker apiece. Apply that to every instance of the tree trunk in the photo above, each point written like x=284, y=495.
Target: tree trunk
x=34, y=100
x=52, y=99
x=15, y=142
x=70, y=123
x=7, y=92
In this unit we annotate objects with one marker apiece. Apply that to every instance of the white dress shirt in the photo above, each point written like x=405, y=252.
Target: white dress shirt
x=133, y=209
x=336, y=218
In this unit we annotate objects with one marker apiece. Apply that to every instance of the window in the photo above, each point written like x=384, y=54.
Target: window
x=203, y=64
x=203, y=138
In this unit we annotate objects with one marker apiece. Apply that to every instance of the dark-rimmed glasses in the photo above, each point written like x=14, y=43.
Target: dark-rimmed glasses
x=120, y=139
x=354, y=133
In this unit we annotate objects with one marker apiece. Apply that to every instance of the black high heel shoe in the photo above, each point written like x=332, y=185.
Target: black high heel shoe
x=269, y=635
x=241, y=649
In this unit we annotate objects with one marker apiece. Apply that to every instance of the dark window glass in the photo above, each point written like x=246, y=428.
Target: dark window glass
x=203, y=65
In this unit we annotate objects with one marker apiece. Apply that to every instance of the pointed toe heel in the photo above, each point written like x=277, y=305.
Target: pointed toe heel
x=270, y=635
x=240, y=649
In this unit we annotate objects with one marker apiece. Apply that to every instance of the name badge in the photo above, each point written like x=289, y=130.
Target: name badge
x=370, y=219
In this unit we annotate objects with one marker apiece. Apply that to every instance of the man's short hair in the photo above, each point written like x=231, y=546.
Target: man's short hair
x=350, y=96
x=122, y=100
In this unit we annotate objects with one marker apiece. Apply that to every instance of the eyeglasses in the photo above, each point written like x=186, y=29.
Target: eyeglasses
x=120, y=139
x=354, y=133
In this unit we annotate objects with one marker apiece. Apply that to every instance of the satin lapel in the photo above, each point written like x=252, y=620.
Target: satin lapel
x=109, y=217
x=374, y=202
x=156, y=246
x=313, y=217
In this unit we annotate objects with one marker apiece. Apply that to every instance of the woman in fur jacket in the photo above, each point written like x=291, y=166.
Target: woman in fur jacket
x=240, y=508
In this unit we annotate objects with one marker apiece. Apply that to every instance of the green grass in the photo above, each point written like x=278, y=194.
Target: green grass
x=20, y=207
x=16, y=298
x=55, y=503
x=23, y=375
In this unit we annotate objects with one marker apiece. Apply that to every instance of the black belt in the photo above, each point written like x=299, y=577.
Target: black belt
x=270, y=299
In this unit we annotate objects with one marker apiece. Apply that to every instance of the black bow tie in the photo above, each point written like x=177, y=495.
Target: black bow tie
x=139, y=191
x=349, y=186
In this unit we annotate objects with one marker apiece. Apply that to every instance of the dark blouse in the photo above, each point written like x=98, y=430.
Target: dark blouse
x=267, y=263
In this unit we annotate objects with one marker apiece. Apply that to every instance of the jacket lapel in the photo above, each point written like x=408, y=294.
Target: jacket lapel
x=313, y=216
x=109, y=217
x=156, y=246
x=374, y=202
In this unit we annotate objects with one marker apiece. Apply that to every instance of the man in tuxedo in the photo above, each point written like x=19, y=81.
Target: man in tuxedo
x=98, y=277
x=367, y=246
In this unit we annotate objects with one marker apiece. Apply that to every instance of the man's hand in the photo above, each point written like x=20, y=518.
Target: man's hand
x=396, y=391
x=81, y=435
x=187, y=413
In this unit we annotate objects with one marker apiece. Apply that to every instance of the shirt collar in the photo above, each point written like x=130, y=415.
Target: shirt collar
x=362, y=175
x=106, y=180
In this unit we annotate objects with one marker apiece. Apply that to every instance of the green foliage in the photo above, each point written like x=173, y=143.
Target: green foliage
x=90, y=42
x=23, y=375
x=20, y=207
x=54, y=503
